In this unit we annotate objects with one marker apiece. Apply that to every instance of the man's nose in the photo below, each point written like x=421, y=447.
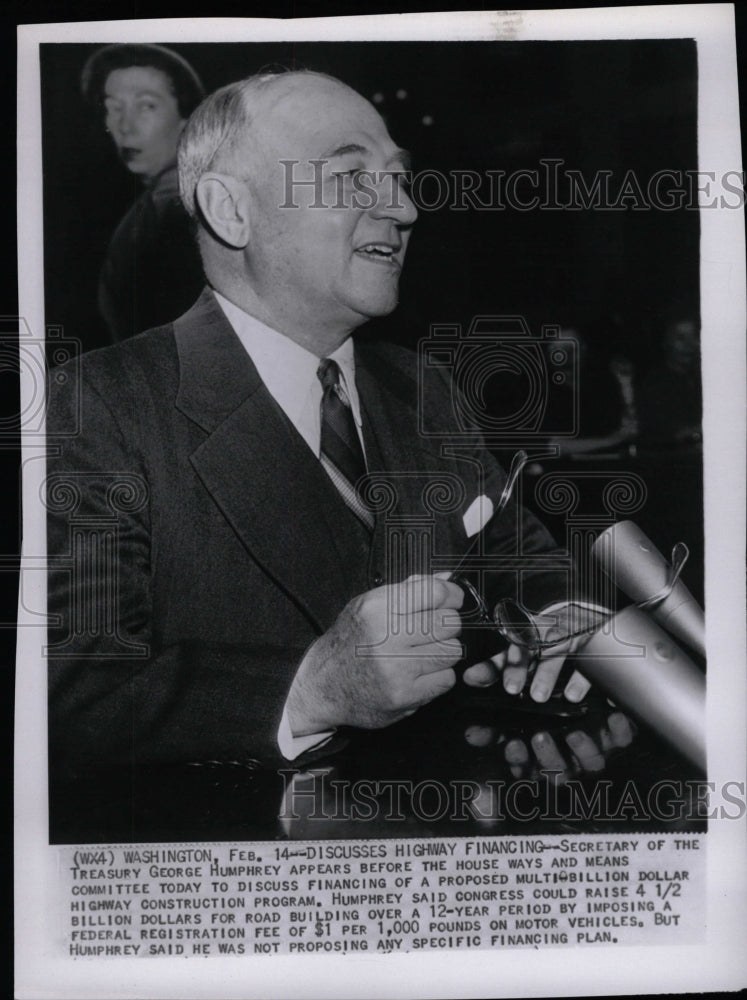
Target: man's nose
x=393, y=201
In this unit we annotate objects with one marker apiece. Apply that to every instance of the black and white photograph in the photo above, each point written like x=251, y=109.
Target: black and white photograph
x=382, y=416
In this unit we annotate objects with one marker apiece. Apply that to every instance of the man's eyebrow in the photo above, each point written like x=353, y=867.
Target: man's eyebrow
x=401, y=156
x=351, y=147
x=398, y=156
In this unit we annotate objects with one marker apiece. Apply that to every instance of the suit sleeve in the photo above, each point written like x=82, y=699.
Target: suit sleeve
x=119, y=694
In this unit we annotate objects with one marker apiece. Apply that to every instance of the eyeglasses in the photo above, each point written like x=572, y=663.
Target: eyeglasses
x=515, y=622
x=518, y=626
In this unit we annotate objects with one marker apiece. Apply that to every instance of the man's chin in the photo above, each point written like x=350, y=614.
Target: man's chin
x=374, y=307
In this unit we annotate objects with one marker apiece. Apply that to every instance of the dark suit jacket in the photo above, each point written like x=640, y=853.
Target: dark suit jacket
x=197, y=548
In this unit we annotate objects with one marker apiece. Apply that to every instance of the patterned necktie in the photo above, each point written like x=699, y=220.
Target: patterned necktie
x=341, y=452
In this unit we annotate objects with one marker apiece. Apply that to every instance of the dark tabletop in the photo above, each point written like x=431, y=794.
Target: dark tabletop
x=476, y=762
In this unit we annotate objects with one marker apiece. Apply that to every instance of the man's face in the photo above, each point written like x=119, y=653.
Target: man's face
x=143, y=117
x=326, y=269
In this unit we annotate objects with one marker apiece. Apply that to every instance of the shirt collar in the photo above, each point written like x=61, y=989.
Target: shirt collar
x=287, y=369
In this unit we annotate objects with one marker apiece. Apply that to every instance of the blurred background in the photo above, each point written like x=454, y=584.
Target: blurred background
x=622, y=283
x=597, y=106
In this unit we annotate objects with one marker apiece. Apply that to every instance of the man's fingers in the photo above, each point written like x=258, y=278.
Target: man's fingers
x=517, y=667
x=421, y=593
x=514, y=679
x=517, y=656
x=487, y=672
x=577, y=687
x=432, y=626
x=482, y=674
x=435, y=656
x=547, y=672
x=512, y=663
x=432, y=685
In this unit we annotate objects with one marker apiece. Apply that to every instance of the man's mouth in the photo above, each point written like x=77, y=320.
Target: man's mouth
x=128, y=153
x=380, y=253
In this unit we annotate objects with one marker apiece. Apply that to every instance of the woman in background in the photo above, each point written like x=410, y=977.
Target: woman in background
x=152, y=272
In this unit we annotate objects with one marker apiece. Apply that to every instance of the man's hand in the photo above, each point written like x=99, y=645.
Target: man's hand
x=390, y=651
x=514, y=664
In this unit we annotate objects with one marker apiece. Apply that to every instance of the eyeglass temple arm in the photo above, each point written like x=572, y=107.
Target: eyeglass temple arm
x=518, y=462
x=680, y=554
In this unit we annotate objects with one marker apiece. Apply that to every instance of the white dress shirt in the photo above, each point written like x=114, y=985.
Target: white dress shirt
x=289, y=373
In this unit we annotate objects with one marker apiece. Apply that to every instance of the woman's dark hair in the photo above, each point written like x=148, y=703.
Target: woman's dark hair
x=185, y=83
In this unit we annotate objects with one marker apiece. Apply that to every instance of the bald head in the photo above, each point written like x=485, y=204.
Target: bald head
x=222, y=134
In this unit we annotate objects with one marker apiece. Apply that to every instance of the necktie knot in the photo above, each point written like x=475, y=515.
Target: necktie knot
x=328, y=373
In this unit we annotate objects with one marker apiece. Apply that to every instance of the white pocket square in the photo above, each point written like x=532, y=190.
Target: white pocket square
x=478, y=514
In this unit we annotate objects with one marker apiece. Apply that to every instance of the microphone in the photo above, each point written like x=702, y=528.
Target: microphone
x=639, y=666
x=635, y=565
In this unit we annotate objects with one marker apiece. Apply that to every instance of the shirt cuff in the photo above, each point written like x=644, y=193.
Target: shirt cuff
x=293, y=746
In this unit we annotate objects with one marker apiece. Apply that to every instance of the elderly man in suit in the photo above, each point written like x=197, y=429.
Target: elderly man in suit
x=222, y=585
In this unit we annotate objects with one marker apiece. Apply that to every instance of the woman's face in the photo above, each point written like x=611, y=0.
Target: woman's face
x=143, y=118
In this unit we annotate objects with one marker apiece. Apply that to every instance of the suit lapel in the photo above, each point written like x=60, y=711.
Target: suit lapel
x=394, y=446
x=388, y=397
x=257, y=468
x=265, y=480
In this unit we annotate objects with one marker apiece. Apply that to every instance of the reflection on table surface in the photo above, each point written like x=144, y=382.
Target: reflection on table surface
x=475, y=763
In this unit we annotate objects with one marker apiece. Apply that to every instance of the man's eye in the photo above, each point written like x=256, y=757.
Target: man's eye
x=147, y=106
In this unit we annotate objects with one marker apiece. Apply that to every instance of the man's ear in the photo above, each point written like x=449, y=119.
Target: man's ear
x=225, y=202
